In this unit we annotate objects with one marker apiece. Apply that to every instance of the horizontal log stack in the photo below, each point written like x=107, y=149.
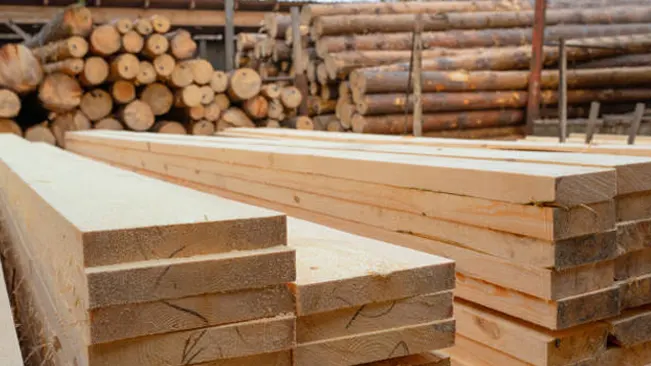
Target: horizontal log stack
x=544, y=276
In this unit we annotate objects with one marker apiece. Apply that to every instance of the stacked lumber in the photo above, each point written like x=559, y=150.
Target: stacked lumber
x=199, y=279
x=10, y=353
x=544, y=254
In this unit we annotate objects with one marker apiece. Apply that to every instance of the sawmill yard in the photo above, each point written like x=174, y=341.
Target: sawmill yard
x=233, y=183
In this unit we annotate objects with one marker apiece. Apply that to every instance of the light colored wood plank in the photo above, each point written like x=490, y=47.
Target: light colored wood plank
x=374, y=317
x=424, y=359
x=631, y=328
x=269, y=359
x=633, y=207
x=511, y=182
x=633, y=264
x=9, y=348
x=180, y=277
x=517, y=248
x=467, y=352
x=376, y=346
x=134, y=320
x=199, y=345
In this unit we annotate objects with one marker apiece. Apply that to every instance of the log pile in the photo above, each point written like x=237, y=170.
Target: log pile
x=359, y=60
x=548, y=271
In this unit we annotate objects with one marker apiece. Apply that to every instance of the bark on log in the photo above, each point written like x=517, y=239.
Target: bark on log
x=75, y=20
x=137, y=115
x=643, y=59
x=222, y=101
x=71, y=66
x=160, y=23
x=123, y=91
x=182, y=46
x=203, y=128
x=60, y=92
x=256, y=107
x=143, y=26
x=105, y=40
x=219, y=81
x=123, y=25
x=132, y=42
x=155, y=45
x=169, y=127
x=212, y=112
x=164, y=65
x=190, y=96
x=73, y=47
x=291, y=97
x=400, y=124
x=246, y=41
x=202, y=71
x=39, y=133
x=502, y=133
x=329, y=91
x=96, y=71
x=146, y=74
x=207, y=94
x=236, y=117
x=124, y=67
x=109, y=124
x=316, y=105
x=96, y=104
x=20, y=71
x=244, y=84
x=159, y=98
x=9, y=104
x=181, y=76
x=9, y=126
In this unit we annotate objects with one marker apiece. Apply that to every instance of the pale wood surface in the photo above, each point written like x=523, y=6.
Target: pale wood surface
x=9, y=348
x=283, y=358
x=423, y=359
x=470, y=353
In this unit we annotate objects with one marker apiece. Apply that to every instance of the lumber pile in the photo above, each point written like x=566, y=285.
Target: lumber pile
x=550, y=247
x=10, y=353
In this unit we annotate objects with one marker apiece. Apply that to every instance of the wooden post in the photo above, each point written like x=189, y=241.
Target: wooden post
x=562, y=91
x=538, y=39
x=300, y=79
x=592, y=121
x=418, y=60
x=229, y=34
x=635, y=123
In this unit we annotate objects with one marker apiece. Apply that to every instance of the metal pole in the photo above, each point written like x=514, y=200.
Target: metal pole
x=562, y=91
x=229, y=35
x=300, y=79
x=592, y=121
x=635, y=124
x=538, y=40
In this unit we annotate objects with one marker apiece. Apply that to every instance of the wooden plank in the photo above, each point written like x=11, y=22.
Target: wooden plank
x=470, y=353
x=283, y=358
x=135, y=320
x=9, y=348
x=199, y=345
x=633, y=264
x=635, y=292
x=376, y=345
x=633, y=207
x=374, y=317
x=631, y=328
x=620, y=356
x=539, y=282
x=423, y=359
x=633, y=235
x=518, y=182
x=526, y=342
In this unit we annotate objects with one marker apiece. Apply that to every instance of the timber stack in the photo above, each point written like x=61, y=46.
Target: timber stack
x=557, y=260
x=474, y=65
x=134, y=74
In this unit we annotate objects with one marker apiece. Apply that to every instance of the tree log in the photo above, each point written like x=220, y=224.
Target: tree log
x=124, y=67
x=345, y=111
x=321, y=123
x=60, y=92
x=271, y=91
x=73, y=47
x=202, y=71
x=64, y=122
x=246, y=41
x=299, y=123
x=303, y=30
x=281, y=52
x=182, y=46
x=256, y=107
x=137, y=115
x=502, y=133
x=244, y=84
x=161, y=24
x=159, y=98
x=146, y=74
x=222, y=101
x=155, y=45
x=96, y=71
x=9, y=126
x=212, y=112
x=109, y=124
x=170, y=127
x=195, y=113
x=291, y=97
x=123, y=91
x=219, y=81
x=271, y=123
x=316, y=106
x=75, y=20
x=164, y=65
x=39, y=133
x=105, y=40
x=96, y=104
x=643, y=59
x=330, y=91
x=123, y=25
x=20, y=71
x=275, y=24
x=276, y=109
x=132, y=42
x=71, y=66
x=181, y=76
x=190, y=96
x=207, y=94
x=236, y=117
x=203, y=127
x=9, y=104
x=143, y=26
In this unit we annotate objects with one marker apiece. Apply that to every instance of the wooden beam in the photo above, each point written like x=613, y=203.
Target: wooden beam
x=229, y=35
x=632, y=328
x=9, y=348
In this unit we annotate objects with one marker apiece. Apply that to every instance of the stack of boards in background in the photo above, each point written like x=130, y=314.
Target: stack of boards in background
x=550, y=247
x=201, y=279
x=136, y=74
x=475, y=64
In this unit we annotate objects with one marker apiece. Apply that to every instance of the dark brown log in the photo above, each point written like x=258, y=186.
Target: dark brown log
x=123, y=25
x=137, y=115
x=276, y=109
x=124, y=67
x=236, y=117
x=9, y=126
x=132, y=42
x=9, y=104
x=143, y=26
x=75, y=20
x=400, y=124
x=96, y=71
x=146, y=74
x=203, y=127
x=181, y=76
x=329, y=91
x=160, y=24
x=71, y=66
x=219, y=81
x=182, y=46
x=212, y=112
x=96, y=104
x=155, y=45
x=501, y=133
x=222, y=101
x=244, y=84
x=39, y=133
x=246, y=41
x=170, y=127
x=207, y=94
x=377, y=104
x=202, y=71
x=123, y=91
x=105, y=40
x=109, y=124
x=159, y=98
x=73, y=47
x=271, y=91
x=310, y=71
x=275, y=24
x=256, y=107
x=360, y=24
x=60, y=92
x=643, y=59
x=190, y=96
x=20, y=71
x=316, y=106
x=291, y=97
x=164, y=65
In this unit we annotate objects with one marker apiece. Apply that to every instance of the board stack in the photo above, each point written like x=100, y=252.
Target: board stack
x=107, y=275
x=536, y=236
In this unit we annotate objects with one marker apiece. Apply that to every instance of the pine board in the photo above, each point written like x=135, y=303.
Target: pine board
x=9, y=348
